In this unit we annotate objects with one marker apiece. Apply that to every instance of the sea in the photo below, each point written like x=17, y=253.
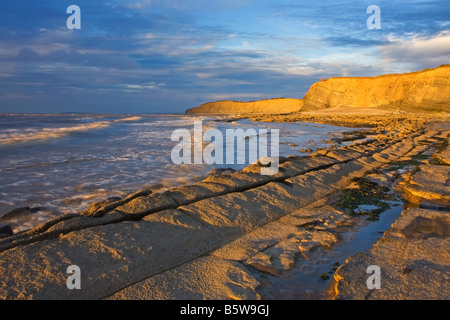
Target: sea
x=56, y=164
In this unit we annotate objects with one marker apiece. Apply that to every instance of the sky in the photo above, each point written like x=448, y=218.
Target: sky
x=150, y=56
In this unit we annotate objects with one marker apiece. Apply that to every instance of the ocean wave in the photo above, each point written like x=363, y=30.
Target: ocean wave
x=53, y=133
x=134, y=118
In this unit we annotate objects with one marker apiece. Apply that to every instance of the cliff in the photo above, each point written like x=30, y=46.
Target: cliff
x=280, y=105
x=426, y=90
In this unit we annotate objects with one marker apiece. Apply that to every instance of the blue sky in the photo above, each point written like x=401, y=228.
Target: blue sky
x=149, y=56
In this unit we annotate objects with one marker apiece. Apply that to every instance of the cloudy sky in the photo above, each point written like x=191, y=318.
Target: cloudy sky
x=155, y=56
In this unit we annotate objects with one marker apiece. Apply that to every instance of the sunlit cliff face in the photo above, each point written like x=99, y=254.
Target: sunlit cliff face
x=428, y=90
x=263, y=106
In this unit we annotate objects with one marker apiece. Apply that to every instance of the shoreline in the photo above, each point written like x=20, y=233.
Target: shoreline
x=224, y=229
x=28, y=214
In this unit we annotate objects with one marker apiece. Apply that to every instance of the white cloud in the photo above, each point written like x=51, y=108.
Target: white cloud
x=145, y=86
x=205, y=75
x=424, y=52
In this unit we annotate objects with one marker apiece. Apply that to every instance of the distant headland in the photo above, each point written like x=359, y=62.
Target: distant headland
x=422, y=91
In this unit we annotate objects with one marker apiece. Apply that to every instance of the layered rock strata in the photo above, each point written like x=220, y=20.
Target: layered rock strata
x=280, y=105
x=427, y=90
x=186, y=242
x=413, y=256
x=421, y=91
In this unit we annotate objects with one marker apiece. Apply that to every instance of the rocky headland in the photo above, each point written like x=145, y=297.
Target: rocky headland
x=422, y=91
x=280, y=105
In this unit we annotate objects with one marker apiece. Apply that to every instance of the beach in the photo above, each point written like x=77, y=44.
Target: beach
x=54, y=164
x=224, y=158
x=243, y=235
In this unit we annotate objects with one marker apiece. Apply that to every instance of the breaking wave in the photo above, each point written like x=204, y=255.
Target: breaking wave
x=14, y=136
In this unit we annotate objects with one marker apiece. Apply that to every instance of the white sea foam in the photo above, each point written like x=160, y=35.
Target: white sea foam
x=14, y=136
x=66, y=177
x=51, y=133
x=134, y=118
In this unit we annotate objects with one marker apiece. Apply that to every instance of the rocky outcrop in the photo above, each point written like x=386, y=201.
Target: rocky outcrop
x=280, y=105
x=427, y=90
x=5, y=230
x=413, y=255
x=413, y=259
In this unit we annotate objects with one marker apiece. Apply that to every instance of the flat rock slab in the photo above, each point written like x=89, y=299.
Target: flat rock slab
x=145, y=205
x=110, y=257
x=196, y=192
x=229, y=271
x=280, y=258
x=394, y=152
x=444, y=154
x=430, y=182
x=413, y=257
x=206, y=278
x=443, y=157
x=254, y=242
x=275, y=247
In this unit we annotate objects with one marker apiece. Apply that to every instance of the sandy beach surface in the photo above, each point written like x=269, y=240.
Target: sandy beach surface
x=308, y=232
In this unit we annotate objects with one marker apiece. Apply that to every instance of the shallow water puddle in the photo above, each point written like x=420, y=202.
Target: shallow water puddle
x=311, y=275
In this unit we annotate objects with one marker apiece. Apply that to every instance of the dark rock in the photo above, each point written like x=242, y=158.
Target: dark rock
x=5, y=230
x=114, y=199
x=20, y=213
x=36, y=209
x=219, y=171
x=324, y=276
